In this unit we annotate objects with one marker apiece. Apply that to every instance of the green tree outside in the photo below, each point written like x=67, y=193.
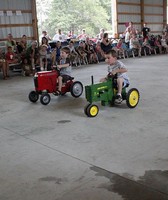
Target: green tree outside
x=76, y=15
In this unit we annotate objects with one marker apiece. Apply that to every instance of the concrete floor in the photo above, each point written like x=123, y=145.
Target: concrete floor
x=55, y=152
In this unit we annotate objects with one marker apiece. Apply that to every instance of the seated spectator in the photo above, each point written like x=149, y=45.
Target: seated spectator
x=89, y=49
x=147, y=45
x=27, y=69
x=99, y=51
x=119, y=49
x=105, y=44
x=81, y=51
x=135, y=45
x=74, y=57
x=157, y=43
x=165, y=29
x=164, y=43
x=11, y=57
x=139, y=36
x=11, y=42
x=82, y=36
x=22, y=46
x=32, y=55
x=4, y=65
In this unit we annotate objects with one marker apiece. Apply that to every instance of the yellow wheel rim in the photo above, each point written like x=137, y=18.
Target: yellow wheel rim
x=93, y=110
x=134, y=98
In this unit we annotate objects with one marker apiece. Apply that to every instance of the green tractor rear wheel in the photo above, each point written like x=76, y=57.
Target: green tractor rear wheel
x=132, y=98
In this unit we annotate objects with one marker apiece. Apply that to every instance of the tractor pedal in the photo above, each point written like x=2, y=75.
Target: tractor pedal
x=118, y=99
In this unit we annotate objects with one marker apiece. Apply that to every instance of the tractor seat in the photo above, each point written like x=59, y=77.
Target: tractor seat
x=68, y=80
x=71, y=78
x=115, y=85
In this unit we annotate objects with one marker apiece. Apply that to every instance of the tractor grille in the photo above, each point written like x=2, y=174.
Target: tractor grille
x=36, y=82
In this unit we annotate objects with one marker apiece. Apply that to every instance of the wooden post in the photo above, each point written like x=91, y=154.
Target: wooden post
x=164, y=13
x=114, y=18
x=142, y=13
x=34, y=21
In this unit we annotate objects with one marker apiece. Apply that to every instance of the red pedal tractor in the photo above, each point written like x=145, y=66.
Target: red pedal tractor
x=46, y=82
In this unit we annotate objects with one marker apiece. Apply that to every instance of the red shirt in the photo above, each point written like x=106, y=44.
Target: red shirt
x=10, y=56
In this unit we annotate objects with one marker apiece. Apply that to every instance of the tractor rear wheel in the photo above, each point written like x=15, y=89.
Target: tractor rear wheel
x=45, y=98
x=132, y=98
x=76, y=89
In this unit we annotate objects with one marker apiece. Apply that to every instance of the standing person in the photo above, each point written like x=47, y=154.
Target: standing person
x=127, y=37
x=55, y=54
x=43, y=57
x=131, y=27
x=118, y=69
x=45, y=34
x=82, y=36
x=59, y=36
x=100, y=35
x=71, y=35
x=65, y=68
x=145, y=31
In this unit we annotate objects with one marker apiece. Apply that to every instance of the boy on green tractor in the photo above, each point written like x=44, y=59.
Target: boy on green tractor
x=112, y=88
x=118, y=70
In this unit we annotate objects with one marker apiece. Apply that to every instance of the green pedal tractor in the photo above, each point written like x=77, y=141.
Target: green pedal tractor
x=106, y=93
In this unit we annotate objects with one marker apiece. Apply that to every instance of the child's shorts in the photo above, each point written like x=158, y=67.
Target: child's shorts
x=125, y=80
x=125, y=83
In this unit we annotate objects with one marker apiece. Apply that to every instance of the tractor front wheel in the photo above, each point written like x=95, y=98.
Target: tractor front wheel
x=91, y=110
x=45, y=99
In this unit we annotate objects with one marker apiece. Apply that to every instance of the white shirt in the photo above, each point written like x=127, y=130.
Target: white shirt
x=127, y=37
x=59, y=37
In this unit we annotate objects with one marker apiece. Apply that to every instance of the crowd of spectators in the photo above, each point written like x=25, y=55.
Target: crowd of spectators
x=84, y=50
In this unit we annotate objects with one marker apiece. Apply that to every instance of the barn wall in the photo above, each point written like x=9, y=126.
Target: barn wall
x=153, y=12
x=18, y=25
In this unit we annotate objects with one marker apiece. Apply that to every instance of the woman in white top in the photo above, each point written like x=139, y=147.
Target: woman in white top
x=127, y=37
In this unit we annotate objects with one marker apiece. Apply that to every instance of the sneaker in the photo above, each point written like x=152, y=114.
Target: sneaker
x=118, y=99
x=57, y=93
